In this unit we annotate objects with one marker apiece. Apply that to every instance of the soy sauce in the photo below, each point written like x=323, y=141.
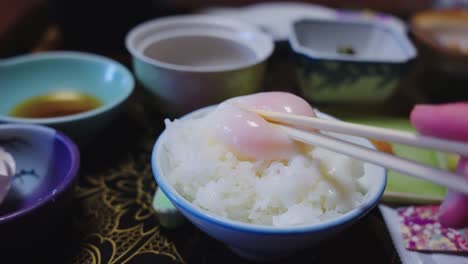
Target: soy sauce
x=55, y=104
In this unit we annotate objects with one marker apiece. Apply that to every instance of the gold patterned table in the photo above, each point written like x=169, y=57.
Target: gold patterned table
x=116, y=223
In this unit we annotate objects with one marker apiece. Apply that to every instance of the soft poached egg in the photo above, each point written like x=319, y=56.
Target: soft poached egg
x=248, y=135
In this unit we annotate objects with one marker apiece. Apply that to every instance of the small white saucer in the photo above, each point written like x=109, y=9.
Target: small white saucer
x=276, y=18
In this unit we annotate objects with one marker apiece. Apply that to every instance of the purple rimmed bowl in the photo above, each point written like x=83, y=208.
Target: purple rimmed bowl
x=35, y=207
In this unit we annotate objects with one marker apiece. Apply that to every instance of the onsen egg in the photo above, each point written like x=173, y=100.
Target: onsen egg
x=248, y=135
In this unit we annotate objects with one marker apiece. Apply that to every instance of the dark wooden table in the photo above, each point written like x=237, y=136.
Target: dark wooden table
x=111, y=219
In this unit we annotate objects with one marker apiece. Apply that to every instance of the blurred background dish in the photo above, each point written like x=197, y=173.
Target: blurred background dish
x=188, y=62
x=389, y=20
x=77, y=93
x=443, y=37
x=274, y=18
x=47, y=164
x=352, y=61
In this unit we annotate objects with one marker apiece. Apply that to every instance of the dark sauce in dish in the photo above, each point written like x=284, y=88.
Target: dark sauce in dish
x=55, y=104
x=348, y=50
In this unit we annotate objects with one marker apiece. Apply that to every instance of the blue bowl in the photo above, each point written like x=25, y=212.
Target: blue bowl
x=259, y=242
x=47, y=164
x=27, y=76
x=349, y=60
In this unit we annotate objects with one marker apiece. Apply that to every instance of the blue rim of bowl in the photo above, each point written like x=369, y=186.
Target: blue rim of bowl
x=217, y=20
x=78, y=56
x=403, y=41
x=63, y=185
x=177, y=199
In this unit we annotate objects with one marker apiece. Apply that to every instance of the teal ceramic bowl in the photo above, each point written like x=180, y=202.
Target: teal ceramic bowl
x=27, y=76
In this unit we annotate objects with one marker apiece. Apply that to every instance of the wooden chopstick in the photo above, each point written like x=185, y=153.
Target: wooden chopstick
x=370, y=132
x=450, y=180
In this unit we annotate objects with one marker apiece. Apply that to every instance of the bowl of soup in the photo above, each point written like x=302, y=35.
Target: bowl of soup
x=191, y=61
x=77, y=93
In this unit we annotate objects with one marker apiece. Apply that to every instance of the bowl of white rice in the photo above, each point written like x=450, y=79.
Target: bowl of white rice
x=262, y=210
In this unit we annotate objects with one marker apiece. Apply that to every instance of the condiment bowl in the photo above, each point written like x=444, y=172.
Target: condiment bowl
x=28, y=76
x=261, y=242
x=47, y=163
x=191, y=61
x=349, y=61
x=443, y=38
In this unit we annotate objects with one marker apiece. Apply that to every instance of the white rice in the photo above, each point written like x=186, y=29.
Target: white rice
x=309, y=187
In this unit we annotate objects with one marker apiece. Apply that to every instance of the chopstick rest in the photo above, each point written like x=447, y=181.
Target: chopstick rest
x=168, y=215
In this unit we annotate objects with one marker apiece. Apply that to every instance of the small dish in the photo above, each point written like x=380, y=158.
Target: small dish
x=196, y=60
x=351, y=61
x=368, y=15
x=260, y=242
x=47, y=164
x=27, y=76
x=443, y=37
x=274, y=18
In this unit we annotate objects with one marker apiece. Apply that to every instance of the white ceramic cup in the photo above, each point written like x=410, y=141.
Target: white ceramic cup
x=197, y=60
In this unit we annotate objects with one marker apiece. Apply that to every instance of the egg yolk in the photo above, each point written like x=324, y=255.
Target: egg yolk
x=248, y=135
